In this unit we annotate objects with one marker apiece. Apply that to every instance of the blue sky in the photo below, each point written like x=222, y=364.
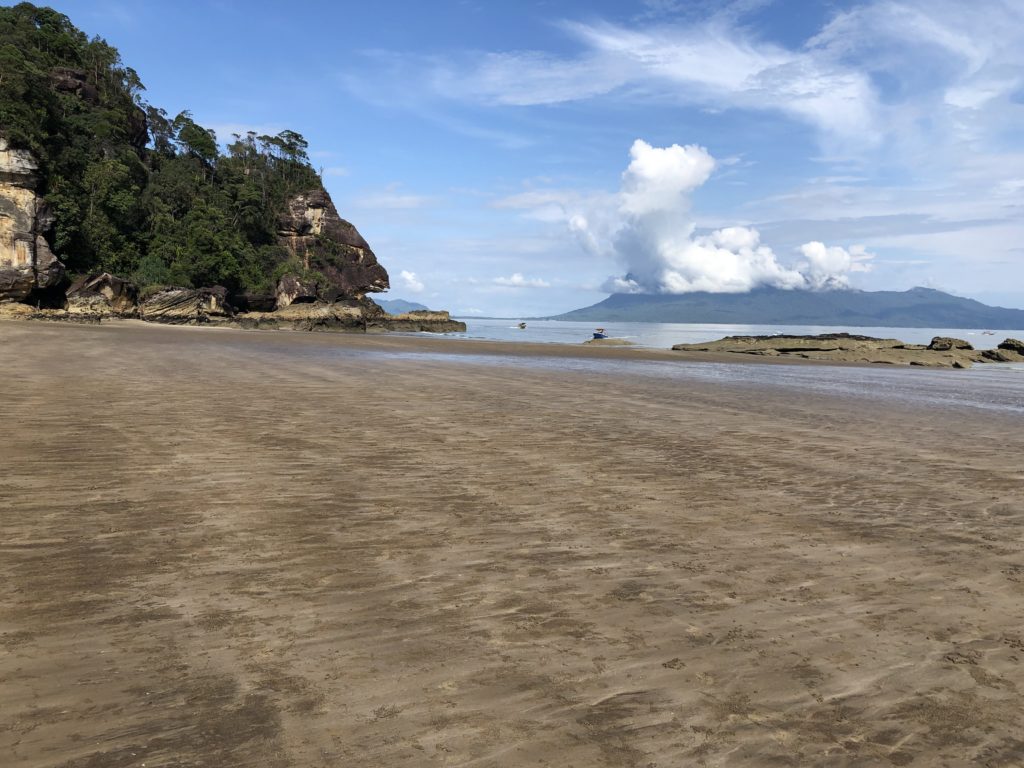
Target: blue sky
x=523, y=158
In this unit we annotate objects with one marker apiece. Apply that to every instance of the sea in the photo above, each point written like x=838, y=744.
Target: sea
x=995, y=387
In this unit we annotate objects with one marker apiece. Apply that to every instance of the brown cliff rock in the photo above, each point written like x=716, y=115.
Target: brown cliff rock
x=317, y=236
x=26, y=262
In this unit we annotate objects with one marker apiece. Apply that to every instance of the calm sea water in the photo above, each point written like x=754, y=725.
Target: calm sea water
x=664, y=335
x=991, y=387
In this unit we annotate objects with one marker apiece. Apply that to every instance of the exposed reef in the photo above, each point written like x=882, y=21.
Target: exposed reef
x=942, y=352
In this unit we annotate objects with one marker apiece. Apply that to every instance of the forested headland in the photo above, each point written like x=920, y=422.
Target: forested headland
x=154, y=198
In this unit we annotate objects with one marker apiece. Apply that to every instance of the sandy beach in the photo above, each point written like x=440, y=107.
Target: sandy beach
x=229, y=548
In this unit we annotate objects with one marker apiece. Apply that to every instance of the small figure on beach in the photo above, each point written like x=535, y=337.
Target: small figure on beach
x=600, y=334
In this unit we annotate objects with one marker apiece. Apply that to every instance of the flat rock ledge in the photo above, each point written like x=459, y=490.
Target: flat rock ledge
x=942, y=352
x=209, y=306
x=610, y=342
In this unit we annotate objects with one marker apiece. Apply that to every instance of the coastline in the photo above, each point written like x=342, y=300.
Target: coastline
x=440, y=343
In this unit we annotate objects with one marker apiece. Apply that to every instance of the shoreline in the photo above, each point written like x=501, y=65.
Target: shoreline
x=448, y=345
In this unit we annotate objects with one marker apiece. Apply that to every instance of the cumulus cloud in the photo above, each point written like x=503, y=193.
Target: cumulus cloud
x=517, y=280
x=653, y=235
x=829, y=267
x=410, y=282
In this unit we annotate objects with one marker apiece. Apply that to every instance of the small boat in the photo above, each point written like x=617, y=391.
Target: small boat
x=600, y=334
x=988, y=333
x=521, y=326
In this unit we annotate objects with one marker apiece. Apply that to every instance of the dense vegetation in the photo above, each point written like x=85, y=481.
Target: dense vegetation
x=135, y=192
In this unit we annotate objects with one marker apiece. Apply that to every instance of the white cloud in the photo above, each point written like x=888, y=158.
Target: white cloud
x=715, y=64
x=828, y=267
x=650, y=231
x=901, y=72
x=526, y=78
x=916, y=105
x=660, y=179
x=517, y=280
x=392, y=198
x=410, y=282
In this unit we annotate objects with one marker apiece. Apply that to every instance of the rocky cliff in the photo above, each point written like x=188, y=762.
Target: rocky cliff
x=315, y=234
x=27, y=266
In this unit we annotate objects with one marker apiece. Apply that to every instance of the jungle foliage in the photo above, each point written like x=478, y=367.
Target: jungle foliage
x=134, y=191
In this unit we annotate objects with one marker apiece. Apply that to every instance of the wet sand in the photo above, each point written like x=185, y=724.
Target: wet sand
x=227, y=548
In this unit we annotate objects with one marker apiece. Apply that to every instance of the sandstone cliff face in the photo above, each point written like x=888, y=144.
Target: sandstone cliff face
x=26, y=262
x=315, y=234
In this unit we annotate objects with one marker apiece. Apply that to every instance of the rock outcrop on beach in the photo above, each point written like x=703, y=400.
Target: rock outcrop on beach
x=27, y=266
x=186, y=306
x=420, y=320
x=942, y=352
x=102, y=295
x=1008, y=351
x=294, y=290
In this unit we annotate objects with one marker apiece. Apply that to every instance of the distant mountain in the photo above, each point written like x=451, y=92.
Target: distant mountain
x=398, y=306
x=916, y=308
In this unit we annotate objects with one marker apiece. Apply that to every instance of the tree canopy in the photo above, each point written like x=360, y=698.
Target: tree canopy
x=134, y=191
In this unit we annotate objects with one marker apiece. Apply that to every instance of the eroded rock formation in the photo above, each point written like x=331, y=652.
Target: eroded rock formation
x=323, y=241
x=294, y=290
x=26, y=263
x=102, y=295
x=186, y=306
